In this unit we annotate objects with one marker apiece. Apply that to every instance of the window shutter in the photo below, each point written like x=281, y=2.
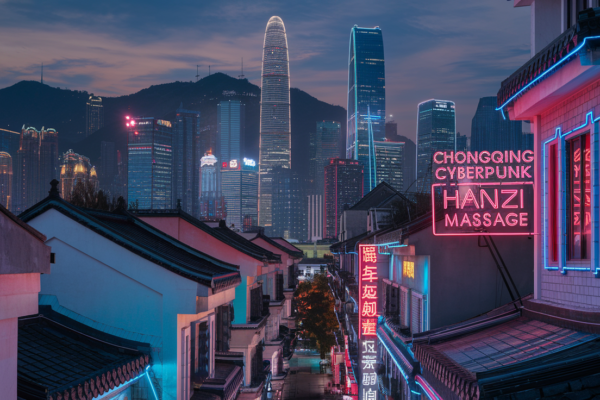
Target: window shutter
x=416, y=323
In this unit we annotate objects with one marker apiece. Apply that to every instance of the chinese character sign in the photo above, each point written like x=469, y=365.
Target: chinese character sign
x=368, y=374
x=483, y=193
x=367, y=290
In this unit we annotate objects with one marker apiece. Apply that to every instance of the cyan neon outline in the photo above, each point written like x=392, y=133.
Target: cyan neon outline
x=568, y=56
x=589, y=119
x=393, y=359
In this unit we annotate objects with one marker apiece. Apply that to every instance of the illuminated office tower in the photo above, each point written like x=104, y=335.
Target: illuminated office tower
x=366, y=99
x=315, y=216
x=6, y=175
x=462, y=142
x=275, y=139
x=343, y=186
x=389, y=167
x=108, y=165
x=36, y=165
x=75, y=168
x=324, y=145
x=289, y=192
x=149, y=163
x=94, y=114
x=212, y=204
x=491, y=132
x=186, y=159
x=231, y=121
x=239, y=186
x=436, y=131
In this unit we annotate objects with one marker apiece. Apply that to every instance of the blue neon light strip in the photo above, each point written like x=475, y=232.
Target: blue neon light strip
x=395, y=354
x=151, y=384
x=575, y=50
x=589, y=119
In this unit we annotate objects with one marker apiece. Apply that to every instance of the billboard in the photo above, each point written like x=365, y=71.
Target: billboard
x=483, y=193
x=367, y=320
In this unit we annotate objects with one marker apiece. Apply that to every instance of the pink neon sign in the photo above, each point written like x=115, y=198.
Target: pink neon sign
x=483, y=193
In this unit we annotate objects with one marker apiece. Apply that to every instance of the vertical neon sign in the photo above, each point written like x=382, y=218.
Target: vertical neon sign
x=367, y=286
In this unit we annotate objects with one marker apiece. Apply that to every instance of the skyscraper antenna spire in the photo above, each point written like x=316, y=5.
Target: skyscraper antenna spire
x=242, y=75
x=197, y=74
x=42, y=73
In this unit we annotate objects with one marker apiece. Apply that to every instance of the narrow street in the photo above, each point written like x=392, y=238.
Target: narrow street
x=304, y=380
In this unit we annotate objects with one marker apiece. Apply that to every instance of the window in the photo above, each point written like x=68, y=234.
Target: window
x=256, y=303
x=579, y=198
x=185, y=362
x=223, y=318
x=553, y=203
x=416, y=314
x=200, y=352
x=404, y=303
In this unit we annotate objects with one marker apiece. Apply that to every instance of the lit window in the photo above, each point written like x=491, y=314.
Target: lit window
x=579, y=198
x=553, y=202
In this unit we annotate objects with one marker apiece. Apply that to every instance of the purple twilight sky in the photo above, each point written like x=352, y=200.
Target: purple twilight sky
x=451, y=50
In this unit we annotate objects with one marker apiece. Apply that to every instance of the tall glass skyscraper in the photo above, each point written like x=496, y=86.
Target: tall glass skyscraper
x=489, y=131
x=436, y=131
x=239, y=185
x=6, y=178
x=390, y=161
x=231, y=121
x=324, y=145
x=275, y=139
x=150, y=160
x=366, y=99
x=186, y=160
x=343, y=186
x=94, y=114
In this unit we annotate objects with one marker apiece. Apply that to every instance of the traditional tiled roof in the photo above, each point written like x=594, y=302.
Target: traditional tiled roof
x=507, y=356
x=285, y=243
x=290, y=252
x=221, y=233
x=59, y=361
x=551, y=58
x=347, y=246
x=141, y=238
x=381, y=196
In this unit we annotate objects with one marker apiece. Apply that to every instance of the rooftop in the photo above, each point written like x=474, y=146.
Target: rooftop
x=56, y=355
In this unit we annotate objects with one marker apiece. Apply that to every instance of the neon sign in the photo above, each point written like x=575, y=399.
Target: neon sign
x=408, y=269
x=249, y=162
x=483, y=193
x=367, y=320
x=233, y=164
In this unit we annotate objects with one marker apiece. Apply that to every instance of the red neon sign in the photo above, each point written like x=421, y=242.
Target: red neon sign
x=367, y=291
x=483, y=193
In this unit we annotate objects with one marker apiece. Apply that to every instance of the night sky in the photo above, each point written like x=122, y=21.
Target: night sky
x=450, y=50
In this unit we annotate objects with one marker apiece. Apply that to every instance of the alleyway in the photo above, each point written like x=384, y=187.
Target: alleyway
x=304, y=380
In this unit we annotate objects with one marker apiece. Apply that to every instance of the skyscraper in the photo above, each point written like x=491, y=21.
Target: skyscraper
x=275, y=139
x=239, y=186
x=315, y=216
x=75, y=168
x=343, y=186
x=186, y=159
x=462, y=142
x=366, y=99
x=94, y=114
x=436, y=131
x=36, y=165
x=288, y=204
x=324, y=145
x=6, y=175
x=212, y=204
x=149, y=162
x=409, y=156
x=489, y=131
x=231, y=122
x=390, y=160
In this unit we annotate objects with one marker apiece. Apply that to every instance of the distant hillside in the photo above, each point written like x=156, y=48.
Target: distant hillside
x=35, y=104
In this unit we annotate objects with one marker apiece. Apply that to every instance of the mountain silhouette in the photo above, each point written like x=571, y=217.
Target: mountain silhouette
x=35, y=104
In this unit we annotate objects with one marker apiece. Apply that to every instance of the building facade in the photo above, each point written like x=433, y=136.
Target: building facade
x=288, y=207
x=6, y=179
x=366, y=99
x=315, y=217
x=36, y=165
x=324, y=145
x=149, y=163
x=186, y=159
x=239, y=186
x=436, y=131
x=389, y=163
x=76, y=168
x=212, y=204
x=275, y=138
x=231, y=122
x=108, y=165
x=491, y=131
x=344, y=181
x=94, y=114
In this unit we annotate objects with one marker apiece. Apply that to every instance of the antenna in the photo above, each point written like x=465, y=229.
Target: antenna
x=242, y=75
x=42, y=73
x=197, y=74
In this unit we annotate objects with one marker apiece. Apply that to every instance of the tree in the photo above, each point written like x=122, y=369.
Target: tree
x=85, y=195
x=316, y=312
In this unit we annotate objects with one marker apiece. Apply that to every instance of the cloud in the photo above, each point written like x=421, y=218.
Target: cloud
x=460, y=51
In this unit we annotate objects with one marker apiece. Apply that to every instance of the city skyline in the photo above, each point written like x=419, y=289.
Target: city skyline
x=319, y=59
